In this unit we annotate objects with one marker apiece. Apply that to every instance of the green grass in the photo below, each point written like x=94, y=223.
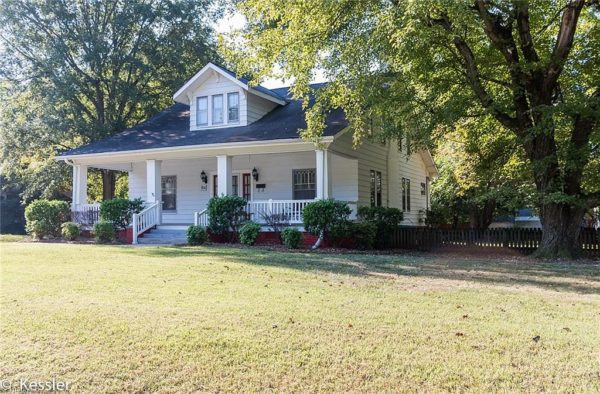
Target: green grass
x=162, y=319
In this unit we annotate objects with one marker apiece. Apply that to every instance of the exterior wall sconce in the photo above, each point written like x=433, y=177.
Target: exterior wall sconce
x=204, y=177
x=255, y=174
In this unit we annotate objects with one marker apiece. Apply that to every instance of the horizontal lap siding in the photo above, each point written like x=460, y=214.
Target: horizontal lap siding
x=258, y=107
x=413, y=168
x=212, y=87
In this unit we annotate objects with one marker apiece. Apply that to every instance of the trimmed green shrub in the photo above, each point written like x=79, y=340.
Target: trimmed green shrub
x=70, y=231
x=328, y=218
x=291, y=237
x=385, y=219
x=119, y=211
x=196, y=235
x=249, y=233
x=363, y=235
x=104, y=232
x=226, y=214
x=44, y=217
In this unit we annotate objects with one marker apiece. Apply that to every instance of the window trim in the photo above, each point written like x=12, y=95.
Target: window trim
x=405, y=194
x=230, y=94
x=214, y=96
x=198, y=111
x=162, y=193
x=376, y=188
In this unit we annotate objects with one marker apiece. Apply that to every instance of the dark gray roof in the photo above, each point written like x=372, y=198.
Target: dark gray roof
x=246, y=81
x=171, y=128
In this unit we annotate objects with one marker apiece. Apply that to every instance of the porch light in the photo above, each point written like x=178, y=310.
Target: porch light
x=255, y=174
x=204, y=177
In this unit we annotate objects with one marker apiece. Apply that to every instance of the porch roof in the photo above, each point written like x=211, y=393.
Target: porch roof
x=171, y=128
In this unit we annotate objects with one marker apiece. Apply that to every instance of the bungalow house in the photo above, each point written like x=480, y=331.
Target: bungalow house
x=225, y=137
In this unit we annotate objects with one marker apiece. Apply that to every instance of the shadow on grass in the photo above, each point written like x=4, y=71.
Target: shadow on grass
x=571, y=277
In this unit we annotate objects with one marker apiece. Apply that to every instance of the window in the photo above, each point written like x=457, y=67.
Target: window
x=376, y=186
x=234, y=185
x=427, y=192
x=304, y=185
x=423, y=189
x=405, y=194
x=168, y=185
x=201, y=111
x=246, y=186
x=217, y=109
x=233, y=107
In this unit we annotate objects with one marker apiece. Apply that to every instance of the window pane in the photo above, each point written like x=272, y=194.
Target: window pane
x=169, y=192
x=304, y=185
x=202, y=110
x=217, y=109
x=233, y=107
x=372, y=184
x=378, y=187
x=234, y=185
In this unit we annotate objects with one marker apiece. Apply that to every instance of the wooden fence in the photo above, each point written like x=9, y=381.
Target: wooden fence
x=522, y=239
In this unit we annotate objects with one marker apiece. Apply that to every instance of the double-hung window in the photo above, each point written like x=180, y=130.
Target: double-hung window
x=376, y=187
x=233, y=107
x=169, y=193
x=406, y=194
x=304, y=184
x=202, y=111
x=217, y=109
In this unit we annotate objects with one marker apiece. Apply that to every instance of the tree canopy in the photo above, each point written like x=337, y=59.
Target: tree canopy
x=413, y=69
x=76, y=72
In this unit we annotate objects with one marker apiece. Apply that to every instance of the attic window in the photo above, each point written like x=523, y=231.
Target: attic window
x=217, y=115
x=202, y=111
x=233, y=107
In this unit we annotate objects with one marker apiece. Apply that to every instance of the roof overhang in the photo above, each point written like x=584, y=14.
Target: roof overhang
x=195, y=151
x=183, y=94
x=429, y=163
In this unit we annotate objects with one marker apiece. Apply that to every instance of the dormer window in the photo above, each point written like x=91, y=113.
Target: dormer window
x=202, y=111
x=233, y=107
x=217, y=109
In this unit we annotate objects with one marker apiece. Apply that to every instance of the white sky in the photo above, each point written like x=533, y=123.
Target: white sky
x=233, y=21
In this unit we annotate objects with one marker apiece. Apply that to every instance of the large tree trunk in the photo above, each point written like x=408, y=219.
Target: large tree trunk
x=482, y=217
x=561, y=225
x=108, y=184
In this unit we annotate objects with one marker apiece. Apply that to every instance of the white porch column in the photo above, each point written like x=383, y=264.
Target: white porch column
x=79, y=184
x=153, y=188
x=323, y=170
x=224, y=164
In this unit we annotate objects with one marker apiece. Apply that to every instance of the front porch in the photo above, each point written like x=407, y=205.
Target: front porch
x=177, y=190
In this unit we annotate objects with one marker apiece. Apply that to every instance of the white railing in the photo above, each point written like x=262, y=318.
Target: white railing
x=287, y=210
x=147, y=218
x=85, y=214
x=201, y=218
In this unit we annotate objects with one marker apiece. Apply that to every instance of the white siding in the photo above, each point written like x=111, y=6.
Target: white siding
x=257, y=107
x=394, y=165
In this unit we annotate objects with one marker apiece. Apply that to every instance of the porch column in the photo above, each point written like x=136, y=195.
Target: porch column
x=224, y=164
x=153, y=188
x=323, y=161
x=79, y=184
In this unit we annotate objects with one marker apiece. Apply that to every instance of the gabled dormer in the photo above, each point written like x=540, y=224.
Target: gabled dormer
x=218, y=99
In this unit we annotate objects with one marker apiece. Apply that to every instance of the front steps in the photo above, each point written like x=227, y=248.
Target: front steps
x=164, y=235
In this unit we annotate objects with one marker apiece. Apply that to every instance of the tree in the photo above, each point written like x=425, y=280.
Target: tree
x=412, y=69
x=76, y=72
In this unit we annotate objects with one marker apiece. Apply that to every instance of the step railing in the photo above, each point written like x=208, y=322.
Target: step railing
x=289, y=209
x=146, y=219
x=201, y=218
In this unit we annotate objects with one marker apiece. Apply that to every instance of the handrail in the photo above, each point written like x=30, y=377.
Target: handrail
x=201, y=218
x=145, y=219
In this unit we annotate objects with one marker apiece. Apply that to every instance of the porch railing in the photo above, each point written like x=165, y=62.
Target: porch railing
x=147, y=218
x=288, y=210
x=201, y=218
x=85, y=214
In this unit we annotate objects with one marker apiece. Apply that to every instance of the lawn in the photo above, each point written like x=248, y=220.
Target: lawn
x=166, y=319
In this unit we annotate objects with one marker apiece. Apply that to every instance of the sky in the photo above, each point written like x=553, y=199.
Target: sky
x=233, y=21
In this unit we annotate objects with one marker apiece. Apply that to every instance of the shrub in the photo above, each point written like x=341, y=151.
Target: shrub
x=385, y=219
x=70, y=231
x=277, y=222
x=119, y=211
x=44, y=217
x=249, y=233
x=328, y=218
x=226, y=214
x=291, y=237
x=363, y=234
x=196, y=235
x=104, y=232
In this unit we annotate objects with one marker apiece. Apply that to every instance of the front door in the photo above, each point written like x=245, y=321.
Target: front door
x=235, y=185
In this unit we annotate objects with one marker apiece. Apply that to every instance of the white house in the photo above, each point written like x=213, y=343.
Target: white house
x=224, y=136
